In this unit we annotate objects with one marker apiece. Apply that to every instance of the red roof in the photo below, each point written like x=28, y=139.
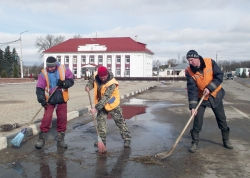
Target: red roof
x=114, y=44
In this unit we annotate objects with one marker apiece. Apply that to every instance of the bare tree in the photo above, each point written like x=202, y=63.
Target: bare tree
x=184, y=60
x=172, y=62
x=77, y=36
x=49, y=41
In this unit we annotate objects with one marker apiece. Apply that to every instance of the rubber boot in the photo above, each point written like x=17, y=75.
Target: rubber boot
x=127, y=144
x=225, y=139
x=195, y=140
x=60, y=140
x=41, y=140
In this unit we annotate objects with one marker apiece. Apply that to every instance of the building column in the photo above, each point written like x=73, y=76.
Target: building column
x=79, y=63
x=71, y=62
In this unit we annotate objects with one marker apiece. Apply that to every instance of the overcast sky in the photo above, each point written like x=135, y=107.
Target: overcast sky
x=169, y=27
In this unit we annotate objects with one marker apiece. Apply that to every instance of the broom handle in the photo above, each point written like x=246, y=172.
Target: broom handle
x=166, y=154
x=93, y=117
x=42, y=107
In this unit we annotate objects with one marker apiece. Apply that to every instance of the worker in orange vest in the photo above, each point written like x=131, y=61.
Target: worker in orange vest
x=52, y=92
x=204, y=77
x=107, y=100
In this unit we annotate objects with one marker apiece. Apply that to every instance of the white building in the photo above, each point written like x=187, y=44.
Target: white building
x=240, y=71
x=121, y=55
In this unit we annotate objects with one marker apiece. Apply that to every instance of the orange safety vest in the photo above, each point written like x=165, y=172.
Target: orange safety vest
x=114, y=100
x=65, y=92
x=202, y=80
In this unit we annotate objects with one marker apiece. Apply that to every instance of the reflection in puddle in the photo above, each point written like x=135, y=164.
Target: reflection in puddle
x=135, y=101
x=136, y=106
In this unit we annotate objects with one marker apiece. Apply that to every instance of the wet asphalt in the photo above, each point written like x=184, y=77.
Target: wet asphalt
x=152, y=132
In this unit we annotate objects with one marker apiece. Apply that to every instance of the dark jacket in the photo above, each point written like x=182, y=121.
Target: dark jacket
x=57, y=97
x=192, y=88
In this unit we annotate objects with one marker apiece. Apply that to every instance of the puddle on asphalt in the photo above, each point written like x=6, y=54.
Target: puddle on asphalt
x=149, y=104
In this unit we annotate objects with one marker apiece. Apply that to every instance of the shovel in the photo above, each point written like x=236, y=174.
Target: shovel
x=166, y=154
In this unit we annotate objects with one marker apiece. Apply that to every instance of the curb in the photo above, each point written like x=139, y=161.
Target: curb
x=33, y=129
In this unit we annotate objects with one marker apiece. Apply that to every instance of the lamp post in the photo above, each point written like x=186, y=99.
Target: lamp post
x=21, y=57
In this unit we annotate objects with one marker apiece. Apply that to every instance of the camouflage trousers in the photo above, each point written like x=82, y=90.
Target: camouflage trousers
x=116, y=115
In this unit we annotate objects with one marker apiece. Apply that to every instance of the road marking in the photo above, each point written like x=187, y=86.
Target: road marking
x=240, y=112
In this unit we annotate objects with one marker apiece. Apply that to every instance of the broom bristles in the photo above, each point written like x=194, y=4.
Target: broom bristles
x=17, y=140
x=101, y=146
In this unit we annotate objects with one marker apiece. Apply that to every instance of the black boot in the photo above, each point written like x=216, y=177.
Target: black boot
x=193, y=148
x=41, y=140
x=127, y=143
x=60, y=140
x=225, y=138
x=195, y=141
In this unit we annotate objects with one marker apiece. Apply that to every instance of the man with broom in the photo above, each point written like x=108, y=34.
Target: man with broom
x=204, y=77
x=107, y=100
x=52, y=92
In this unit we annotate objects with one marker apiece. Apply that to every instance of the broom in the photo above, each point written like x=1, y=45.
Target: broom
x=100, y=144
x=165, y=154
x=17, y=140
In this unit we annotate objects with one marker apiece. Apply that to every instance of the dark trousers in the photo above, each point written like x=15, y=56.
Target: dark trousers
x=219, y=115
x=61, y=113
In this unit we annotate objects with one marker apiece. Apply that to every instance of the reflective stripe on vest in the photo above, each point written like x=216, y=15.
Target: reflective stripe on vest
x=65, y=92
x=202, y=80
x=45, y=74
x=61, y=70
x=114, y=100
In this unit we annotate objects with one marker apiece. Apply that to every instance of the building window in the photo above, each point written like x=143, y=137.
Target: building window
x=100, y=59
x=127, y=59
x=58, y=58
x=109, y=59
x=74, y=59
x=118, y=59
x=75, y=71
x=83, y=59
x=118, y=72
x=91, y=59
x=127, y=72
x=66, y=59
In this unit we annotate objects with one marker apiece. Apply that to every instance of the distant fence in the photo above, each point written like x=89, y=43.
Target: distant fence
x=16, y=80
x=152, y=78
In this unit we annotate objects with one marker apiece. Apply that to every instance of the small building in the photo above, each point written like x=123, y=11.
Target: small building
x=239, y=72
x=123, y=56
x=177, y=71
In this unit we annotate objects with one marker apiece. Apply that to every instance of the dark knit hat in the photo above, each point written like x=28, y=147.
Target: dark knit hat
x=102, y=71
x=192, y=54
x=51, y=61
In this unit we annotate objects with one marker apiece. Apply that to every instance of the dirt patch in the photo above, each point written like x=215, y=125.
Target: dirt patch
x=150, y=160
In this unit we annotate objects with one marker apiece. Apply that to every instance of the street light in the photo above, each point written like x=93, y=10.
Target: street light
x=21, y=57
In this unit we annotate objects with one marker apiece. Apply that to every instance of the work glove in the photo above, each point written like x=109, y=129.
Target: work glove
x=44, y=104
x=61, y=83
